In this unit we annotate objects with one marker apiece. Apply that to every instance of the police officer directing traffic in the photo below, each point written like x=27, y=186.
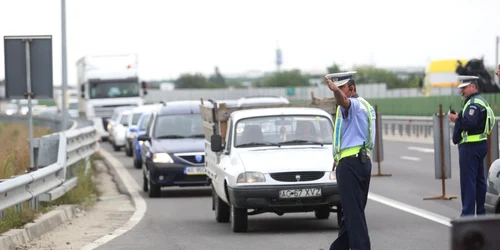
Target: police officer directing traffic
x=473, y=124
x=353, y=139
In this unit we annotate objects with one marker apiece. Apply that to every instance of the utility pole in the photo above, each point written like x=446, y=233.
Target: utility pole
x=64, y=87
x=496, y=58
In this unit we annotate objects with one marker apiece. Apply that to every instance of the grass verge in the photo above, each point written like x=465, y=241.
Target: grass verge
x=14, y=149
x=14, y=160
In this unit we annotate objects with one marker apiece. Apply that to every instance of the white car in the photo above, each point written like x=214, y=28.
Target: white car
x=118, y=130
x=133, y=118
x=284, y=168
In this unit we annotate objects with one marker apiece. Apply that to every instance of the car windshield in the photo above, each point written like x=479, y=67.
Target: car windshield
x=135, y=118
x=283, y=130
x=178, y=126
x=113, y=89
x=73, y=105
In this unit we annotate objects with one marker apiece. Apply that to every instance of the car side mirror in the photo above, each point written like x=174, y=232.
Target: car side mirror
x=216, y=143
x=144, y=137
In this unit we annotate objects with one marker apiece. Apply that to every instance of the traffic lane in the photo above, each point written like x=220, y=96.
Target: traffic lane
x=182, y=219
x=411, y=181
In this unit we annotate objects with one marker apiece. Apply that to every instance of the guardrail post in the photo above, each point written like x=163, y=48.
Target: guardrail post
x=34, y=203
x=378, y=150
x=442, y=154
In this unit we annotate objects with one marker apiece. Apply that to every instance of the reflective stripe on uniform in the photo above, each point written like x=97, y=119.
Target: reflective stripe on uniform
x=490, y=121
x=339, y=154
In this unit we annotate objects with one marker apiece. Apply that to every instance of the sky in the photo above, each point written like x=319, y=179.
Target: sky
x=188, y=36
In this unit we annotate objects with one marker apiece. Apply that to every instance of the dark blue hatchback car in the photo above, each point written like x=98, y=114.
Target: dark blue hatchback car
x=173, y=149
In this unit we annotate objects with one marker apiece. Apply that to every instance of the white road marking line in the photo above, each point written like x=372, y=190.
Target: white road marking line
x=423, y=150
x=133, y=189
x=410, y=209
x=410, y=158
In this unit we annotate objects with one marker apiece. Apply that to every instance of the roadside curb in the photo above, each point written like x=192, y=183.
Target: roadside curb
x=45, y=223
x=128, y=186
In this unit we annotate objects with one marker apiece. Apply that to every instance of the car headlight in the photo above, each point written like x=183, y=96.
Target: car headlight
x=250, y=177
x=162, y=158
x=141, y=142
x=333, y=176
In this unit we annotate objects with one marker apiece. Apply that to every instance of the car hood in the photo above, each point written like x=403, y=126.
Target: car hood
x=178, y=145
x=287, y=159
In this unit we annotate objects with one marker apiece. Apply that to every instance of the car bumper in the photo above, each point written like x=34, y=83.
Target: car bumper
x=268, y=196
x=491, y=203
x=173, y=174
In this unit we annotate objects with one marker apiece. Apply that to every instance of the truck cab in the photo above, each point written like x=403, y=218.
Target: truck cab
x=105, y=83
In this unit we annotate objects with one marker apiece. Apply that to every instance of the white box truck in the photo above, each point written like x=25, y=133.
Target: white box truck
x=106, y=82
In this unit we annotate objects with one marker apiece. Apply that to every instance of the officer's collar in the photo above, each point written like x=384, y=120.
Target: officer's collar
x=468, y=98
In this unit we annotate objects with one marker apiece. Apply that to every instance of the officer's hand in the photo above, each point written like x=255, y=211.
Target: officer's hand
x=453, y=117
x=331, y=85
x=498, y=71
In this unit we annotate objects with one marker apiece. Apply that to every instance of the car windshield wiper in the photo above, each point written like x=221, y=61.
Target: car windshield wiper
x=258, y=144
x=302, y=142
x=170, y=137
x=197, y=136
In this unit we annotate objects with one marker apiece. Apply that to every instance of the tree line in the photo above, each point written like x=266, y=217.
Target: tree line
x=296, y=78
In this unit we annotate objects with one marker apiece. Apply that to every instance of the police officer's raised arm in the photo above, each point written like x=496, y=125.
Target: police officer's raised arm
x=340, y=98
x=469, y=119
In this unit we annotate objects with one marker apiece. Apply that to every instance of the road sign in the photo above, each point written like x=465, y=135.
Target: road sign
x=28, y=73
x=28, y=67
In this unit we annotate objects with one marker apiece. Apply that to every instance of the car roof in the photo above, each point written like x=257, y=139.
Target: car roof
x=144, y=108
x=180, y=107
x=247, y=113
x=261, y=100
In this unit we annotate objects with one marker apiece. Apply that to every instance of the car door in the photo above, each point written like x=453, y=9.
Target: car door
x=223, y=161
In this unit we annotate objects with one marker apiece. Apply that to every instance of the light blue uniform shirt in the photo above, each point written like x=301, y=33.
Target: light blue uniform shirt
x=355, y=127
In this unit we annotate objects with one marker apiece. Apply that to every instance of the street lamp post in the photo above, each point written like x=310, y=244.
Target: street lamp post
x=64, y=87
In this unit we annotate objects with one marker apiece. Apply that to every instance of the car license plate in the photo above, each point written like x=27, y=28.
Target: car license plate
x=300, y=193
x=195, y=171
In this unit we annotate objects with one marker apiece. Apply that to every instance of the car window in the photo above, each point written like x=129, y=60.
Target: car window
x=144, y=122
x=135, y=118
x=124, y=120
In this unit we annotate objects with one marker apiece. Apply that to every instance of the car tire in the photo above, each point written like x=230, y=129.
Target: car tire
x=322, y=213
x=144, y=183
x=239, y=219
x=154, y=190
x=128, y=150
x=116, y=148
x=222, y=212
x=137, y=163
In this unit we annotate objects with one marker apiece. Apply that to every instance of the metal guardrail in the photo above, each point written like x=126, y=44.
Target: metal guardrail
x=411, y=126
x=57, y=158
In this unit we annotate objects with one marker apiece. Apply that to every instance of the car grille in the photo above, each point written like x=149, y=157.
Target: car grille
x=192, y=159
x=297, y=176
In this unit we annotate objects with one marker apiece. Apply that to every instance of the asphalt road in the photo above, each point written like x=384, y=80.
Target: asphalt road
x=183, y=219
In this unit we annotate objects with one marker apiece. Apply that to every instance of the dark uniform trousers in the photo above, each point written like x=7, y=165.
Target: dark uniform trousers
x=353, y=179
x=472, y=179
